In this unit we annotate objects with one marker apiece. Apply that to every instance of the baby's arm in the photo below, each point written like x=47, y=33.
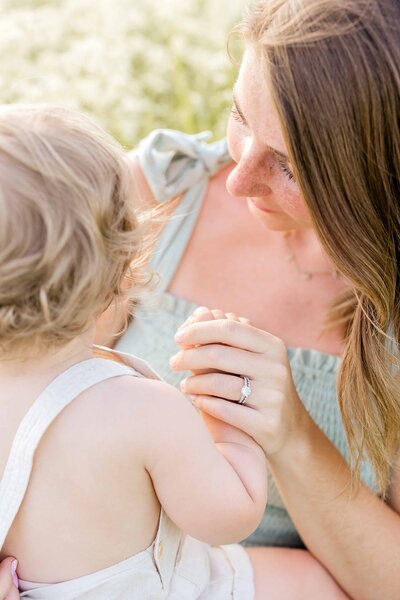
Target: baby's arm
x=214, y=492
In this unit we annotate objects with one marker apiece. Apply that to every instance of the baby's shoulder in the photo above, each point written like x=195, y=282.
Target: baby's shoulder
x=118, y=412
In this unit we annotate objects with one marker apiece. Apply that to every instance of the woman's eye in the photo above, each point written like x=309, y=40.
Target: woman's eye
x=283, y=166
x=287, y=171
x=236, y=115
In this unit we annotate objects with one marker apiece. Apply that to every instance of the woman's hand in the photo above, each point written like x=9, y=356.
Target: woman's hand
x=8, y=580
x=220, y=353
x=217, y=428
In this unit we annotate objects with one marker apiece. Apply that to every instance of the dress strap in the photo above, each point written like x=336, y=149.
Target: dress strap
x=173, y=161
x=54, y=398
x=178, y=164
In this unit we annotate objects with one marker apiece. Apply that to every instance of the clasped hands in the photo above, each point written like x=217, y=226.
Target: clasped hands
x=220, y=349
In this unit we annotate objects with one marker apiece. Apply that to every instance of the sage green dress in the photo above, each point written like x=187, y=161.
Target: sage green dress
x=176, y=163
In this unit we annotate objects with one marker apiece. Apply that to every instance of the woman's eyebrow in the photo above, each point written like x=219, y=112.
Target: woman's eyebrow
x=280, y=155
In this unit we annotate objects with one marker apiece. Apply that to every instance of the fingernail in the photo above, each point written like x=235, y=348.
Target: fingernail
x=173, y=360
x=183, y=383
x=14, y=576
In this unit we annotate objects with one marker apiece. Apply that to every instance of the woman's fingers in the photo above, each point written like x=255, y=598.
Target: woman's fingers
x=223, y=349
x=222, y=385
x=228, y=332
x=219, y=358
x=8, y=580
x=242, y=417
x=201, y=314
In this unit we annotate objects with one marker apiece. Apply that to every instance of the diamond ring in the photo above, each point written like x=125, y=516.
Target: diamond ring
x=245, y=391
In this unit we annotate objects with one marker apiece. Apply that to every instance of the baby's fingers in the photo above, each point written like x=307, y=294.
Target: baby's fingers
x=8, y=580
x=230, y=316
x=218, y=314
x=244, y=320
x=202, y=313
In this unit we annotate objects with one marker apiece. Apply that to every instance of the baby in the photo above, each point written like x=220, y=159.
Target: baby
x=112, y=486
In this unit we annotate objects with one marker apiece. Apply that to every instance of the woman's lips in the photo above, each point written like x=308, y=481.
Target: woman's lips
x=261, y=206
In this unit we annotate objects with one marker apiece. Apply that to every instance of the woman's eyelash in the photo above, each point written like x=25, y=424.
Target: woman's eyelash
x=287, y=171
x=236, y=116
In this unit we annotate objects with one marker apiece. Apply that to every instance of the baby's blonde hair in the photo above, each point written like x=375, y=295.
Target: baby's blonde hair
x=69, y=232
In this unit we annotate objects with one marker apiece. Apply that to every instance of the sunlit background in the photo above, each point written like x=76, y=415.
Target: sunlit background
x=134, y=64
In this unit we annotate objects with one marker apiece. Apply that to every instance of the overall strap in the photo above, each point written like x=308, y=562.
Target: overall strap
x=54, y=398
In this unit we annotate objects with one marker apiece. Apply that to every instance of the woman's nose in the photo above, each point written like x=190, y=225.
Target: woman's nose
x=250, y=177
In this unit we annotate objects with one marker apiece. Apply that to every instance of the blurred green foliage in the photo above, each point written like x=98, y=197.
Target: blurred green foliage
x=135, y=66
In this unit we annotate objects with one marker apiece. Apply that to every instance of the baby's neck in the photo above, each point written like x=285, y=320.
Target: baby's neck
x=48, y=364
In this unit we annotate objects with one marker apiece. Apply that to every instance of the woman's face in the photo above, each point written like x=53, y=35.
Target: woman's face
x=262, y=173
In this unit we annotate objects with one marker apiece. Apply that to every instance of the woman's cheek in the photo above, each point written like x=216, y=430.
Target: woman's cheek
x=295, y=205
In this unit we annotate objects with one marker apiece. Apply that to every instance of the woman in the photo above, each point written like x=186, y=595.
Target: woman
x=332, y=73
x=310, y=218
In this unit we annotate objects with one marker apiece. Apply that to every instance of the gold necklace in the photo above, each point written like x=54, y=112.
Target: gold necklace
x=307, y=275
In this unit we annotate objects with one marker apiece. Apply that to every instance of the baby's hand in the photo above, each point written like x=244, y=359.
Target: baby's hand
x=8, y=579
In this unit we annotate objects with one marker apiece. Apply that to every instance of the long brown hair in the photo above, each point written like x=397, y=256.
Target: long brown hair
x=334, y=69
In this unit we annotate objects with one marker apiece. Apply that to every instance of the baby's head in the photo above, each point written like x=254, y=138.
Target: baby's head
x=68, y=230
